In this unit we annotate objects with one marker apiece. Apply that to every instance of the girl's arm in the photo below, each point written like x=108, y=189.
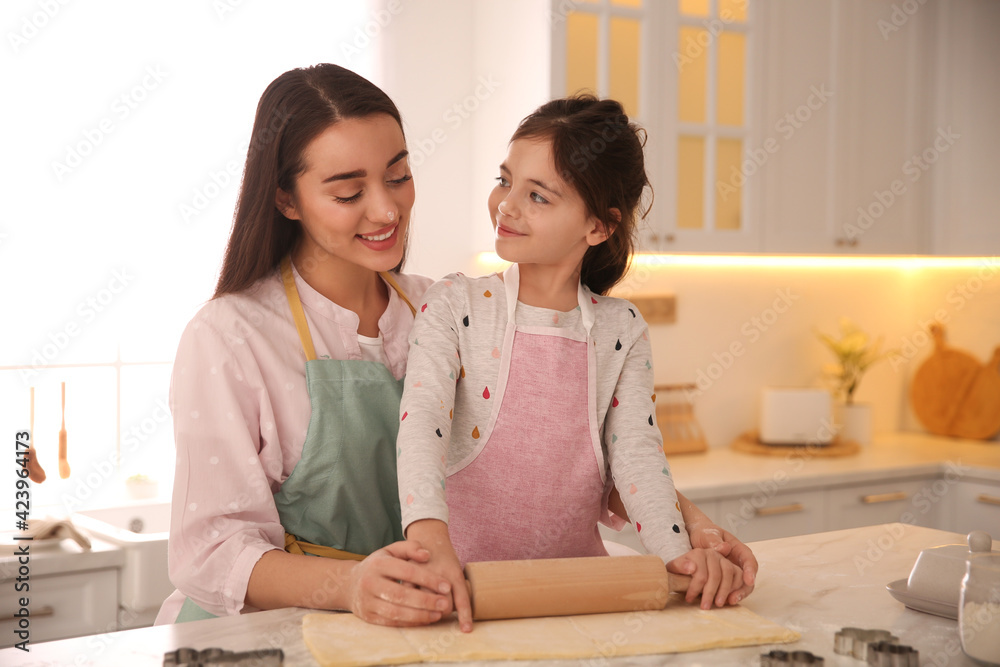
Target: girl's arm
x=642, y=477
x=635, y=453
x=433, y=368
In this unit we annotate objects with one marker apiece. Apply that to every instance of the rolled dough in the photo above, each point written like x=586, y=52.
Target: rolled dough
x=344, y=640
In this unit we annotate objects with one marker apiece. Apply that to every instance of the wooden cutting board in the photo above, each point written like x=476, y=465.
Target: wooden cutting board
x=953, y=394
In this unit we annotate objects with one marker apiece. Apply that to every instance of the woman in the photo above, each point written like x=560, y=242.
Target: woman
x=286, y=384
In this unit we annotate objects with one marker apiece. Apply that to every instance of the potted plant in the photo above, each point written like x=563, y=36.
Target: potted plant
x=855, y=353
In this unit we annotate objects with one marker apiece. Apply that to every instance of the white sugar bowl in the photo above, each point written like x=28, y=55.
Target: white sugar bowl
x=938, y=572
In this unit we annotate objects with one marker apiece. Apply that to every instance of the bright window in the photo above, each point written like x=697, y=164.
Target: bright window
x=127, y=126
x=681, y=69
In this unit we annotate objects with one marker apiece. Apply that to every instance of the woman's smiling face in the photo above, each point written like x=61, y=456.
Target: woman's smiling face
x=355, y=195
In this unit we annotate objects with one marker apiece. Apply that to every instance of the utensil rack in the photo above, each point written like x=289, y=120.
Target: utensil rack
x=675, y=416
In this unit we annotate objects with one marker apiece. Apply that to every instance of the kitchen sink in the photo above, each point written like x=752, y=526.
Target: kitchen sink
x=141, y=530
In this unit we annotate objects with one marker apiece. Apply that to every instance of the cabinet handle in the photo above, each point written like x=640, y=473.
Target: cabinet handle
x=884, y=497
x=47, y=610
x=989, y=500
x=780, y=509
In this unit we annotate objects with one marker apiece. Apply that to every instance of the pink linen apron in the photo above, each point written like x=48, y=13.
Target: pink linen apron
x=535, y=487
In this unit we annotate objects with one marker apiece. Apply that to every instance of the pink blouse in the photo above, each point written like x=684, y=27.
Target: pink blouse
x=241, y=410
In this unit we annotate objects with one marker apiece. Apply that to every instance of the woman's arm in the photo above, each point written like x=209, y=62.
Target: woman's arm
x=389, y=587
x=707, y=535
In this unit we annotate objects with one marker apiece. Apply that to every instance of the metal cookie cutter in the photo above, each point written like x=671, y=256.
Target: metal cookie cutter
x=217, y=657
x=790, y=659
x=855, y=641
x=884, y=654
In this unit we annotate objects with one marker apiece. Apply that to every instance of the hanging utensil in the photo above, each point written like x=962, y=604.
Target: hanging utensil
x=35, y=472
x=63, y=463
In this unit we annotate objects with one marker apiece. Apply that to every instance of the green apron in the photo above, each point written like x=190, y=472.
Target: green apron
x=340, y=501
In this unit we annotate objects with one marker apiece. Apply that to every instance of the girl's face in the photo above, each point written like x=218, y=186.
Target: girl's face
x=538, y=218
x=355, y=195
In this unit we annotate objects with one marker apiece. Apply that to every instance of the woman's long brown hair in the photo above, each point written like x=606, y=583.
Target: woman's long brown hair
x=296, y=107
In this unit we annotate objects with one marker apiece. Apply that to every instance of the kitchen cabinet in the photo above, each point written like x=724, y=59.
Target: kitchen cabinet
x=966, y=108
x=976, y=507
x=915, y=502
x=869, y=125
x=63, y=605
x=843, y=103
x=762, y=516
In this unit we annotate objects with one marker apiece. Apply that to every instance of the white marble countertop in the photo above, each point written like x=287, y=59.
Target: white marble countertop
x=722, y=471
x=61, y=558
x=814, y=584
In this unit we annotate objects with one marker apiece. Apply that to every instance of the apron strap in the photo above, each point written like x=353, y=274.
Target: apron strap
x=296, y=304
x=293, y=545
x=299, y=315
x=386, y=276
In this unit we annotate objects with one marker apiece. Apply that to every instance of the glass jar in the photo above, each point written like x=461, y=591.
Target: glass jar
x=979, y=608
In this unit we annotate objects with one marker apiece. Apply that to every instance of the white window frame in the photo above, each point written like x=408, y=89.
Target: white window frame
x=660, y=23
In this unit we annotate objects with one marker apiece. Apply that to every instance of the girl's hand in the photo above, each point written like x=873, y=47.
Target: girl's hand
x=432, y=534
x=707, y=535
x=713, y=577
x=393, y=586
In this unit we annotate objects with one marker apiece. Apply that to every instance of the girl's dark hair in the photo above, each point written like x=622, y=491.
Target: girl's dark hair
x=296, y=107
x=599, y=153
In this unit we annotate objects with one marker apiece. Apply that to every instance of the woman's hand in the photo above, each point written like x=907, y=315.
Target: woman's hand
x=707, y=535
x=394, y=586
x=713, y=577
x=432, y=534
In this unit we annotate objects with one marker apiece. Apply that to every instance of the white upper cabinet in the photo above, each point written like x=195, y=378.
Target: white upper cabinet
x=782, y=126
x=966, y=109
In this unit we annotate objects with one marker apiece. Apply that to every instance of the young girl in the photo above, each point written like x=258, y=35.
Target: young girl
x=529, y=395
x=285, y=390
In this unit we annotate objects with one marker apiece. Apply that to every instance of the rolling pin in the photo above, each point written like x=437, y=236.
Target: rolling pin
x=569, y=586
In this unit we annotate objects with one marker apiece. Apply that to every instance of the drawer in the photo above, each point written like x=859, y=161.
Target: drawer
x=764, y=516
x=914, y=502
x=977, y=507
x=62, y=606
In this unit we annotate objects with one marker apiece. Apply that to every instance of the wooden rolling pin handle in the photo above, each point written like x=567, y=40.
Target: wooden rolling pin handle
x=569, y=586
